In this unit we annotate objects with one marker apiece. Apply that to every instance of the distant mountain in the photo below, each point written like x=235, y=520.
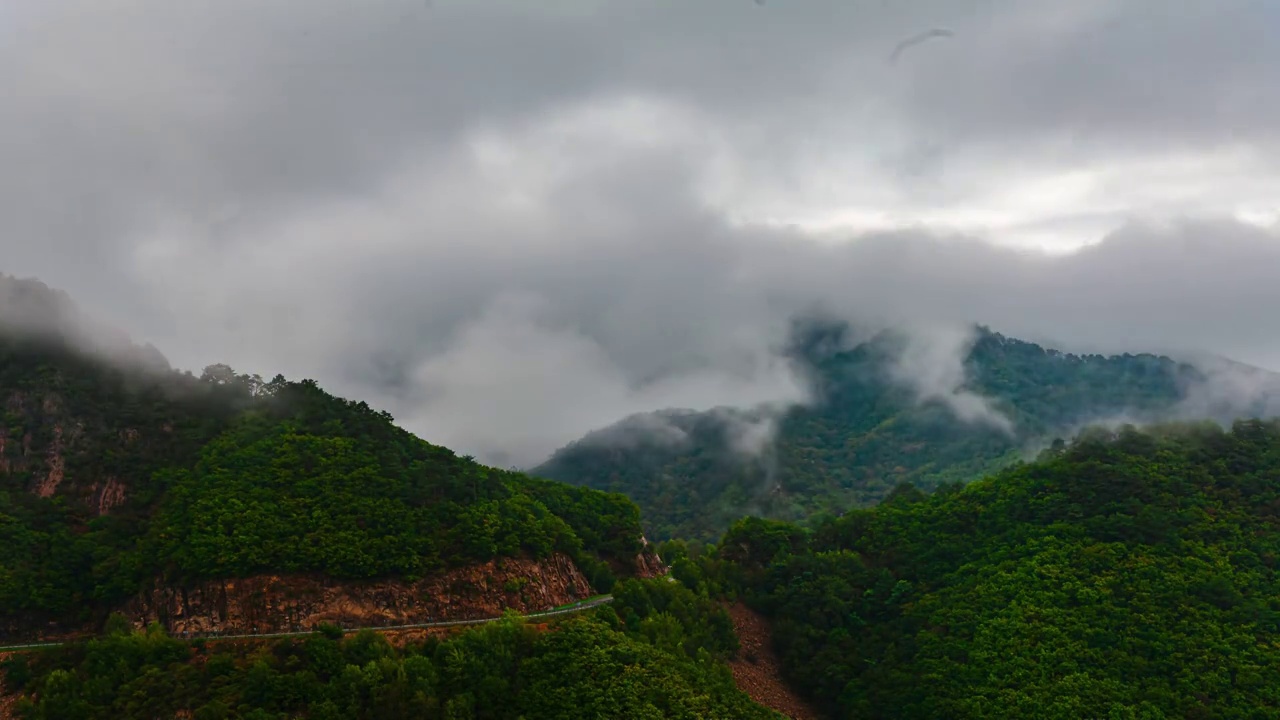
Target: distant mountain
x=868, y=431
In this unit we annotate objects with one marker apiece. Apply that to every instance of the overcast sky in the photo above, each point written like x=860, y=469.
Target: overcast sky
x=509, y=223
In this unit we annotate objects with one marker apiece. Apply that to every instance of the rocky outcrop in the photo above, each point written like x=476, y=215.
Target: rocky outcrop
x=57, y=465
x=111, y=495
x=276, y=603
x=47, y=440
x=648, y=564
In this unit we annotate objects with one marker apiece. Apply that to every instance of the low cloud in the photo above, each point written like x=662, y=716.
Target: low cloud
x=30, y=309
x=509, y=224
x=1229, y=390
x=932, y=363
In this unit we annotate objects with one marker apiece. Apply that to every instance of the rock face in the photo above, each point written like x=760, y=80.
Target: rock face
x=37, y=458
x=648, y=564
x=274, y=603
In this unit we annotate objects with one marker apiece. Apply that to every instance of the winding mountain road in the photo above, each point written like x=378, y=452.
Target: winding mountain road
x=565, y=610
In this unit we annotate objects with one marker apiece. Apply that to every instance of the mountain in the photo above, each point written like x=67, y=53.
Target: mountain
x=224, y=506
x=1130, y=574
x=692, y=473
x=204, y=502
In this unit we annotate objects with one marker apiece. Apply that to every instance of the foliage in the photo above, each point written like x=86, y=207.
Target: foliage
x=866, y=434
x=1128, y=575
x=667, y=666
x=93, y=422
x=280, y=497
x=226, y=475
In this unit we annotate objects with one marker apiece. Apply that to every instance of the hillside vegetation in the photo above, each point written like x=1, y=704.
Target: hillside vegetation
x=117, y=472
x=656, y=653
x=113, y=476
x=866, y=433
x=1134, y=575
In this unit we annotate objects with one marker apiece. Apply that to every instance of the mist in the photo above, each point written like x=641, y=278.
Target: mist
x=510, y=225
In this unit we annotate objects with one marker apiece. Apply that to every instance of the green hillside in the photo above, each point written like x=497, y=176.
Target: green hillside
x=113, y=476
x=1126, y=576
x=116, y=472
x=865, y=434
x=656, y=653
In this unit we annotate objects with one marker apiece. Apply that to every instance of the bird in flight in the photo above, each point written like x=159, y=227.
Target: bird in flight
x=925, y=36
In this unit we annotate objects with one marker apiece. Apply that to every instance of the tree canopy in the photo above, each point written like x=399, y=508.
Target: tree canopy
x=1128, y=575
x=227, y=475
x=865, y=434
x=656, y=653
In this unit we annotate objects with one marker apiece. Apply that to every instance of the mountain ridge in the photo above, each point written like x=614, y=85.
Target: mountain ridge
x=118, y=479
x=868, y=429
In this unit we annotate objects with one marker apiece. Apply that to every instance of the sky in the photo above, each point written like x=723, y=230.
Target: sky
x=511, y=223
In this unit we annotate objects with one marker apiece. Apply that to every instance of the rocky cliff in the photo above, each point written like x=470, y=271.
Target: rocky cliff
x=648, y=564
x=274, y=603
x=49, y=449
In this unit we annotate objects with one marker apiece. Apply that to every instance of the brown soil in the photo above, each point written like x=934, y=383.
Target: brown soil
x=757, y=671
x=7, y=702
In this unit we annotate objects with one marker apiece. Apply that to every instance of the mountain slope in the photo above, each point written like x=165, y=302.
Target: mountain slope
x=657, y=652
x=115, y=478
x=131, y=495
x=1131, y=574
x=866, y=433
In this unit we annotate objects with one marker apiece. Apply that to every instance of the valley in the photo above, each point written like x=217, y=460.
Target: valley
x=639, y=360
x=222, y=546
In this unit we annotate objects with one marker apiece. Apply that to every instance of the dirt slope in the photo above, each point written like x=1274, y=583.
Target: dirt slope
x=757, y=670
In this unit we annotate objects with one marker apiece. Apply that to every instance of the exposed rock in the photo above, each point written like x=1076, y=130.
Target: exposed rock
x=111, y=495
x=648, y=564
x=52, y=449
x=57, y=464
x=274, y=603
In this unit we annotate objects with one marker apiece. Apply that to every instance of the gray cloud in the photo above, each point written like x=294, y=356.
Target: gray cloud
x=510, y=224
x=932, y=362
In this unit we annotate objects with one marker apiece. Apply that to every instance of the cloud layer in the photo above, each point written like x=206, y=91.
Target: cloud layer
x=509, y=224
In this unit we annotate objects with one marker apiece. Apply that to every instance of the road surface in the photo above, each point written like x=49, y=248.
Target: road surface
x=576, y=607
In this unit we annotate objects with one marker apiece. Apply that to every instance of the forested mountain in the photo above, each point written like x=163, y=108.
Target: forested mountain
x=865, y=434
x=115, y=477
x=200, y=502
x=1128, y=575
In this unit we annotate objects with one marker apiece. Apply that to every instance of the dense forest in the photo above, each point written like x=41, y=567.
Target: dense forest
x=1126, y=575
x=113, y=476
x=656, y=653
x=865, y=435
x=116, y=472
